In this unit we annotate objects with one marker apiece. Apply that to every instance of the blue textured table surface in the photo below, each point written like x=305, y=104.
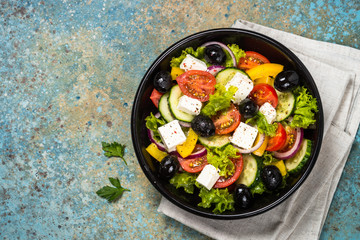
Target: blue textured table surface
x=68, y=75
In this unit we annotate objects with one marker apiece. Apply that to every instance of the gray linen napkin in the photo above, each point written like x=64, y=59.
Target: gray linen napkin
x=302, y=215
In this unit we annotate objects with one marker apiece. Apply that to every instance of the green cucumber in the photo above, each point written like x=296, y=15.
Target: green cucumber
x=164, y=108
x=250, y=171
x=224, y=76
x=215, y=141
x=286, y=105
x=175, y=94
x=295, y=164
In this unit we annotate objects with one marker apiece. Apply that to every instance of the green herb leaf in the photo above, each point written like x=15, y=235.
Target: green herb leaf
x=112, y=193
x=114, y=150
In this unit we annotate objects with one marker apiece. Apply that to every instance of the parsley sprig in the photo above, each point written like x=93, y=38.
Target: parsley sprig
x=112, y=193
x=114, y=150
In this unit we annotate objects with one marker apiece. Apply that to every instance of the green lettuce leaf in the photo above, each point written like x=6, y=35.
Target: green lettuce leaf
x=153, y=124
x=185, y=180
x=221, y=198
x=263, y=126
x=220, y=158
x=268, y=158
x=258, y=188
x=198, y=53
x=305, y=108
x=220, y=100
x=238, y=52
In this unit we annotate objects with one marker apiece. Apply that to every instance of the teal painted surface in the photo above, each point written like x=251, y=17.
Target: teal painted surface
x=68, y=74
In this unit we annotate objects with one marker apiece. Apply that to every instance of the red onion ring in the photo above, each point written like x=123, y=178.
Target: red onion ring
x=292, y=151
x=224, y=47
x=200, y=153
x=214, y=69
x=254, y=148
x=185, y=124
x=160, y=146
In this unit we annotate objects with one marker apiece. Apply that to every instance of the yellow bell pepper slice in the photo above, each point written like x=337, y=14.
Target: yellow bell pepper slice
x=268, y=80
x=153, y=150
x=281, y=166
x=260, y=151
x=264, y=70
x=175, y=72
x=188, y=146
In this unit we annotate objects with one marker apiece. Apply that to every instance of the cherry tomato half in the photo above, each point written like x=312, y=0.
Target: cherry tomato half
x=193, y=165
x=290, y=139
x=263, y=93
x=225, y=182
x=251, y=59
x=155, y=97
x=278, y=141
x=228, y=121
x=197, y=84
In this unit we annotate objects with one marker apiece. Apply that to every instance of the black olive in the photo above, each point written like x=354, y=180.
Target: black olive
x=286, y=81
x=214, y=54
x=242, y=196
x=203, y=126
x=169, y=165
x=248, y=108
x=163, y=81
x=271, y=177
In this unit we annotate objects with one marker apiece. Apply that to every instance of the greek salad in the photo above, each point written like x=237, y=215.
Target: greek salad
x=229, y=125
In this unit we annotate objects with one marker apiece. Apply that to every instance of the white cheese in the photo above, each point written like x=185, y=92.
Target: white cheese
x=172, y=135
x=208, y=176
x=189, y=105
x=244, y=136
x=244, y=85
x=269, y=112
x=192, y=63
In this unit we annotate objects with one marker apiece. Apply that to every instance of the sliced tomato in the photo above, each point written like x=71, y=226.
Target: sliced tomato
x=251, y=59
x=278, y=141
x=225, y=182
x=226, y=121
x=155, y=97
x=290, y=139
x=263, y=93
x=197, y=84
x=193, y=165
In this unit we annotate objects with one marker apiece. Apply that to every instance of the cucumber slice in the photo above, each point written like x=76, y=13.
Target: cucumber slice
x=175, y=94
x=250, y=171
x=286, y=105
x=296, y=163
x=215, y=141
x=224, y=76
x=164, y=108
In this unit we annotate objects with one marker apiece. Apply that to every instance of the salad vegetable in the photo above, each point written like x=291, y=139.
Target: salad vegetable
x=230, y=125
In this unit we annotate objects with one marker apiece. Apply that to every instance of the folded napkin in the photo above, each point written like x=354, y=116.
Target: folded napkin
x=303, y=214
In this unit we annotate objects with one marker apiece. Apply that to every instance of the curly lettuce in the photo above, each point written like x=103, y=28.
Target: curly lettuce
x=262, y=124
x=153, y=124
x=220, y=100
x=220, y=198
x=220, y=158
x=238, y=53
x=305, y=108
x=198, y=53
x=185, y=180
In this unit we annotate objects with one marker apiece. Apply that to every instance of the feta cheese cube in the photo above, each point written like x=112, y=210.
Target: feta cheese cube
x=244, y=136
x=244, y=85
x=192, y=63
x=208, y=176
x=269, y=112
x=172, y=135
x=189, y=105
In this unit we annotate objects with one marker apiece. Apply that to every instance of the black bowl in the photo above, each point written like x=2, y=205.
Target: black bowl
x=247, y=40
